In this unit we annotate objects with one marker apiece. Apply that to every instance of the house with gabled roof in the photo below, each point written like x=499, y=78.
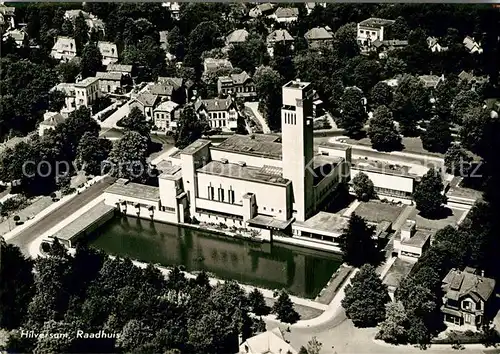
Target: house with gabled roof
x=278, y=36
x=213, y=64
x=50, y=121
x=146, y=102
x=120, y=68
x=164, y=115
x=93, y=23
x=109, y=52
x=220, y=113
x=64, y=49
x=239, y=85
x=237, y=36
x=269, y=342
x=468, y=298
x=285, y=14
x=318, y=36
x=261, y=9
x=19, y=36
x=109, y=82
x=435, y=46
x=472, y=46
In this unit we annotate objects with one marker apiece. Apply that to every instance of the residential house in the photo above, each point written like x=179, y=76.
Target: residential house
x=163, y=115
x=64, y=49
x=474, y=81
x=109, y=52
x=468, y=298
x=109, y=82
x=126, y=70
x=278, y=36
x=180, y=89
x=318, y=36
x=431, y=81
x=220, y=113
x=212, y=65
x=237, y=36
x=93, y=23
x=269, y=342
x=8, y=14
x=19, y=36
x=285, y=14
x=87, y=92
x=50, y=121
x=472, y=46
x=174, y=8
x=410, y=243
x=240, y=85
x=69, y=92
x=371, y=29
x=434, y=45
x=146, y=102
x=261, y=10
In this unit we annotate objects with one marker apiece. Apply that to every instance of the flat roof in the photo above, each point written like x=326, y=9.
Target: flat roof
x=171, y=172
x=86, y=82
x=297, y=84
x=382, y=167
x=245, y=144
x=269, y=221
x=125, y=188
x=397, y=272
x=336, y=146
x=375, y=22
x=83, y=222
x=418, y=239
x=195, y=146
x=249, y=173
x=322, y=160
x=324, y=221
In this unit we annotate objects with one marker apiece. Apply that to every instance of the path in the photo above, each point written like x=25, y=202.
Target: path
x=111, y=121
x=254, y=106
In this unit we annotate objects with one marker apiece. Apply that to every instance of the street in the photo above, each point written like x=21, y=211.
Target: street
x=25, y=237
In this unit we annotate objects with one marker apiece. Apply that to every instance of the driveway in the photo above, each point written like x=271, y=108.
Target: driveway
x=254, y=106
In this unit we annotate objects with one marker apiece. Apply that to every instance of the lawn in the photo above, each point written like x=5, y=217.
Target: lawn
x=411, y=145
x=377, y=211
x=453, y=216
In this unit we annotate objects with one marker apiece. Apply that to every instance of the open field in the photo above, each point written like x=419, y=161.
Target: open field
x=377, y=211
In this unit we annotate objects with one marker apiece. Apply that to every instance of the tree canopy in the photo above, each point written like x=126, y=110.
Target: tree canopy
x=428, y=194
x=357, y=244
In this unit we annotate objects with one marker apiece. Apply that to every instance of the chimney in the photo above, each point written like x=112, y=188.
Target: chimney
x=482, y=273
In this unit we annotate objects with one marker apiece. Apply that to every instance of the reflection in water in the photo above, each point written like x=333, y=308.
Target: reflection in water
x=301, y=271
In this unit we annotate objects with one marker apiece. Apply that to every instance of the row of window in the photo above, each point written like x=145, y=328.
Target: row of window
x=167, y=209
x=217, y=115
x=238, y=89
x=221, y=194
x=290, y=118
x=218, y=214
x=392, y=192
x=217, y=123
x=272, y=210
x=368, y=32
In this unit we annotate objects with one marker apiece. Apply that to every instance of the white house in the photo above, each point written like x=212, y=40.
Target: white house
x=64, y=49
x=472, y=46
x=285, y=14
x=164, y=115
x=19, y=36
x=410, y=243
x=87, y=92
x=237, y=36
x=50, y=121
x=434, y=45
x=372, y=29
x=261, y=9
x=93, y=23
x=220, y=113
x=270, y=342
x=109, y=82
x=109, y=52
x=278, y=36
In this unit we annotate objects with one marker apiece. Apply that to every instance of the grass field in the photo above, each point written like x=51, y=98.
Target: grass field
x=377, y=211
x=411, y=145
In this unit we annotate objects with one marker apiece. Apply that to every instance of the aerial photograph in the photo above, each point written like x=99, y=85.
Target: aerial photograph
x=249, y=178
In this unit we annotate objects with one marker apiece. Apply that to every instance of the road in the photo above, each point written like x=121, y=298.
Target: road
x=254, y=106
x=28, y=235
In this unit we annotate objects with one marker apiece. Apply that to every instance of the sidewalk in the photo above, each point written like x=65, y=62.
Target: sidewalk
x=8, y=227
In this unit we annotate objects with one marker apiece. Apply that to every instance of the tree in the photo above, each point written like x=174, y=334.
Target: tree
x=283, y=308
x=437, y=136
x=345, y=41
x=257, y=303
x=250, y=54
x=57, y=100
x=381, y=95
x=367, y=74
x=365, y=298
x=463, y=102
x=428, y=195
x=394, y=66
x=16, y=285
x=91, y=152
x=479, y=133
x=204, y=37
x=268, y=84
x=445, y=93
x=363, y=187
x=382, y=131
x=393, y=328
x=68, y=71
x=81, y=32
x=399, y=29
x=456, y=160
x=314, y=346
x=91, y=61
x=303, y=350
x=357, y=244
x=191, y=127
x=353, y=115
x=67, y=28
x=128, y=157
x=147, y=56
x=176, y=43
x=136, y=121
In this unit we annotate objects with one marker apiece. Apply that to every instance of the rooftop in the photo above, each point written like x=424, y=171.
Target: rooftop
x=459, y=283
x=270, y=342
x=171, y=172
x=318, y=33
x=382, y=167
x=147, y=99
x=336, y=146
x=214, y=104
x=279, y=35
x=175, y=82
x=326, y=222
x=214, y=64
x=195, y=146
x=160, y=89
x=284, y=12
x=119, y=68
x=248, y=173
x=397, y=272
x=418, y=239
x=269, y=222
x=87, y=82
x=52, y=119
x=108, y=48
x=109, y=75
x=66, y=87
x=167, y=106
x=64, y=44
x=125, y=188
x=83, y=222
x=237, y=36
x=375, y=22
x=245, y=144
x=296, y=84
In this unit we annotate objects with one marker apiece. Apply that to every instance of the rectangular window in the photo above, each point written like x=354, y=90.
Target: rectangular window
x=231, y=196
x=221, y=194
x=224, y=123
x=210, y=192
